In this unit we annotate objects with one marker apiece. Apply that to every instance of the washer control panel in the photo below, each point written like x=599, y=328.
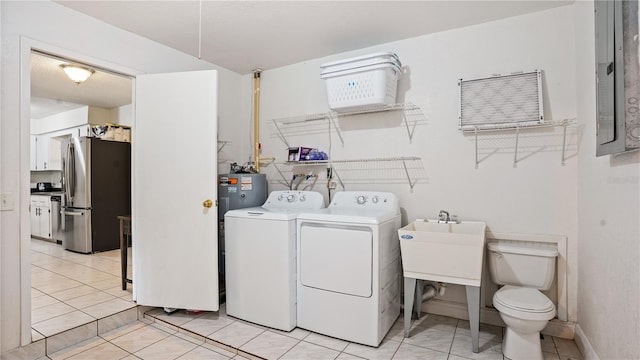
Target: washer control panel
x=294, y=200
x=365, y=199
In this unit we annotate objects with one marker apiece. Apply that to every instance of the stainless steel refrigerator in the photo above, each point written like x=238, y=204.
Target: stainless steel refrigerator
x=97, y=188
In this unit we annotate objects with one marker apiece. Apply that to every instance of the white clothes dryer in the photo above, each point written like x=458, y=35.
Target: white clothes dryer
x=260, y=253
x=349, y=267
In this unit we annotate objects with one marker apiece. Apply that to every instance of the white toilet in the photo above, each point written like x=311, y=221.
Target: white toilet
x=523, y=270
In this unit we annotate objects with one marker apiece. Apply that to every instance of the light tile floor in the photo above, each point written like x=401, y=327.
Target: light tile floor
x=69, y=289
x=75, y=288
x=191, y=336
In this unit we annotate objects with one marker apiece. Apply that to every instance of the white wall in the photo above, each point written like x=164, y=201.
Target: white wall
x=122, y=115
x=539, y=196
x=1, y=190
x=56, y=28
x=60, y=121
x=608, y=226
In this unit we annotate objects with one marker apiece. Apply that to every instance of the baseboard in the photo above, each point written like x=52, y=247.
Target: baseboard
x=584, y=345
x=557, y=328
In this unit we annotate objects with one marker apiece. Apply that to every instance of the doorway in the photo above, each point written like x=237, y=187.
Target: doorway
x=69, y=289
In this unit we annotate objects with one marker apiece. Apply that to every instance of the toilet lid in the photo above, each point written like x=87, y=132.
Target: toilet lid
x=523, y=299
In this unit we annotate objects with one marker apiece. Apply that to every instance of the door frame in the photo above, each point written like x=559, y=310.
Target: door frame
x=26, y=46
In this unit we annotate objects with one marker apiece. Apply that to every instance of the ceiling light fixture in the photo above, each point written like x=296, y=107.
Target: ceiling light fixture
x=77, y=73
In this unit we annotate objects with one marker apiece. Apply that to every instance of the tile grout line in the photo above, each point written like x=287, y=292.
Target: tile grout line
x=211, y=341
x=73, y=263
x=238, y=350
x=285, y=353
x=454, y=338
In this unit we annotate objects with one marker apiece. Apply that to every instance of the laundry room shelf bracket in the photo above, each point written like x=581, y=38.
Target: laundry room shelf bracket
x=280, y=134
x=404, y=107
x=332, y=123
x=284, y=181
x=222, y=144
x=518, y=129
x=406, y=171
x=296, y=125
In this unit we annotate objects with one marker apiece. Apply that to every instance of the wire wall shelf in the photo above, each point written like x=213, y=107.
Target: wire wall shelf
x=523, y=139
x=222, y=144
x=305, y=125
x=392, y=170
x=321, y=122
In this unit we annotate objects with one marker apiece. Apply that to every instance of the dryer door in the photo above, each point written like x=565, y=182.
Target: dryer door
x=337, y=258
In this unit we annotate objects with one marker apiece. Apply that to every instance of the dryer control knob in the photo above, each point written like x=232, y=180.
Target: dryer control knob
x=375, y=199
x=291, y=198
x=303, y=198
x=361, y=199
x=280, y=197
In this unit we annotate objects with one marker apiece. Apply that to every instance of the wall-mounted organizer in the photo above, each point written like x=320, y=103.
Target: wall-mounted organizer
x=305, y=125
x=550, y=136
x=392, y=170
x=352, y=171
x=328, y=121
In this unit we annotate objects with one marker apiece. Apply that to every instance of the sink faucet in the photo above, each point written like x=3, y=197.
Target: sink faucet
x=444, y=218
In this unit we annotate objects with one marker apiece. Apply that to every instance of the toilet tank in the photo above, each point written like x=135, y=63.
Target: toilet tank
x=522, y=264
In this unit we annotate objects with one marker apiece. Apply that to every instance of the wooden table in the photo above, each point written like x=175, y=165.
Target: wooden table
x=125, y=237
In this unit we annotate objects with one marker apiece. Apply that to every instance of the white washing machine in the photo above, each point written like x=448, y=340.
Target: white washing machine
x=260, y=253
x=349, y=267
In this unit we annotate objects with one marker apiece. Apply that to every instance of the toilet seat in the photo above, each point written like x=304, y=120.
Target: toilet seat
x=524, y=303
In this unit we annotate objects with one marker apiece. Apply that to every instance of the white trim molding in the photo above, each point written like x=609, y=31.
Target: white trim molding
x=584, y=345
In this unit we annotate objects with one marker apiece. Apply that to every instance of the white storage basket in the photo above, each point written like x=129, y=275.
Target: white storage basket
x=358, y=60
x=330, y=70
x=362, y=88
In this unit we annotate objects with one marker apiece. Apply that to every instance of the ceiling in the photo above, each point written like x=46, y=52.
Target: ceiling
x=244, y=35
x=53, y=92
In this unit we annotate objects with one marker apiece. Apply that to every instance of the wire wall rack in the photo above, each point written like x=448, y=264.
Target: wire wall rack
x=392, y=170
x=222, y=144
x=305, y=125
x=329, y=121
x=523, y=138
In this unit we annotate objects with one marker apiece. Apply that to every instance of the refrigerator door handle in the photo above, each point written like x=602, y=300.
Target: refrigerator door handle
x=65, y=178
x=71, y=174
x=62, y=221
x=80, y=213
x=72, y=159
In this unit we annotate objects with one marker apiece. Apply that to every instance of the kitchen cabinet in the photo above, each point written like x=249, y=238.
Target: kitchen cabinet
x=46, y=152
x=41, y=216
x=42, y=152
x=46, y=149
x=55, y=153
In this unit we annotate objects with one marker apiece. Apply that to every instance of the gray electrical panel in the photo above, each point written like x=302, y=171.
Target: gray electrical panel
x=618, y=77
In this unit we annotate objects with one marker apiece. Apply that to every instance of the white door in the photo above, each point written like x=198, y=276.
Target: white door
x=175, y=240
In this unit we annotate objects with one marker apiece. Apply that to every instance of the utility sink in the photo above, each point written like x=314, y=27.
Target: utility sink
x=444, y=252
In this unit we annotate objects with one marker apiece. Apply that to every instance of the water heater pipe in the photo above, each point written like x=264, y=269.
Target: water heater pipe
x=256, y=118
